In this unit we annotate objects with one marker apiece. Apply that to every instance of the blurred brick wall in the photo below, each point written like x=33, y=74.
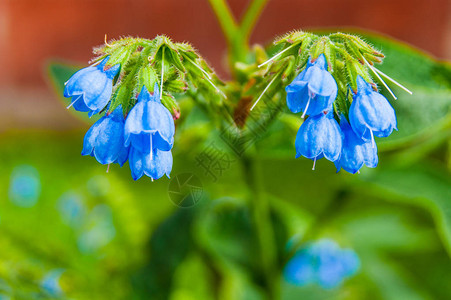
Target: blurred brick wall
x=33, y=31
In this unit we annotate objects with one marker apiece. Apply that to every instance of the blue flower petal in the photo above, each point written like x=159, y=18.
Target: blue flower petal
x=159, y=164
x=136, y=163
x=319, y=135
x=320, y=93
x=93, y=86
x=370, y=113
x=321, y=82
x=149, y=124
x=105, y=139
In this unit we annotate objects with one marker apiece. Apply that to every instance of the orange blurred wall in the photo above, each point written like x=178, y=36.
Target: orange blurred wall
x=33, y=31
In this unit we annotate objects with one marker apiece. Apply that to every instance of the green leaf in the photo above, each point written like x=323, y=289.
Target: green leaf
x=170, y=244
x=418, y=185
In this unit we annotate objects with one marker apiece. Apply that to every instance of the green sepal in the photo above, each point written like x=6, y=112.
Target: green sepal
x=122, y=95
x=323, y=46
x=164, y=47
x=120, y=56
x=289, y=68
x=176, y=86
x=293, y=37
x=307, y=42
x=147, y=76
x=353, y=69
x=171, y=104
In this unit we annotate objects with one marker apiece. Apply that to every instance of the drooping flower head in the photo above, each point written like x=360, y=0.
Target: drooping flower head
x=149, y=124
x=149, y=130
x=370, y=113
x=319, y=136
x=91, y=87
x=313, y=90
x=105, y=139
x=355, y=151
x=323, y=263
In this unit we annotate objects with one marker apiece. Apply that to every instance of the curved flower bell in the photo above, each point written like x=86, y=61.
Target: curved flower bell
x=355, y=151
x=370, y=113
x=91, y=87
x=154, y=164
x=313, y=90
x=105, y=139
x=319, y=136
x=149, y=124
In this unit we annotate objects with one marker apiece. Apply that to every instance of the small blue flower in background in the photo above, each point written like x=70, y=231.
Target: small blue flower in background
x=323, y=263
x=51, y=283
x=91, y=87
x=105, y=139
x=25, y=186
x=72, y=209
x=99, y=230
x=149, y=130
x=313, y=90
x=319, y=136
x=355, y=151
x=370, y=113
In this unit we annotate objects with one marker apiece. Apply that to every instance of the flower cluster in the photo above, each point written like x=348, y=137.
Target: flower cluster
x=145, y=137
x=351, y=144
x=323, y=263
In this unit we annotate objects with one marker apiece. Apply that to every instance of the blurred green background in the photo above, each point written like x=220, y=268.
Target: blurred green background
x=70, y=230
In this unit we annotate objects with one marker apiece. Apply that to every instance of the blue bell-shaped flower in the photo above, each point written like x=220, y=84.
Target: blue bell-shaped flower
x=355, y=151
x=322, y=262
x=105, y=139
x=319, y=136
x=370, y=113
x=313, y=90
x=91, y=87
x=154, y=164
x=333, y=264
x=149, y=124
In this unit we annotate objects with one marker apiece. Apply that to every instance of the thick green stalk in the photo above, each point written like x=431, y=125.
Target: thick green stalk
x=225, y=18
x=237, y=36
x=263, y=225
x=250, y=17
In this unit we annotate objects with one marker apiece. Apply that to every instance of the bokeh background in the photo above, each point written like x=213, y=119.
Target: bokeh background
x=70, y=230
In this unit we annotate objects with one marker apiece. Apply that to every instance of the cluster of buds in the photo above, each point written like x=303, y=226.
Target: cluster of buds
x=335, y=90
x=132, y=82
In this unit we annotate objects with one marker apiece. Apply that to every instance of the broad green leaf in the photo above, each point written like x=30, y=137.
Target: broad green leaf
x=420, y=185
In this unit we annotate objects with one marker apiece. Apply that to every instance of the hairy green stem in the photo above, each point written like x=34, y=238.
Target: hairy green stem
x=237, y=35
x=225, y=18
x=263, y=225
x=250, y=17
